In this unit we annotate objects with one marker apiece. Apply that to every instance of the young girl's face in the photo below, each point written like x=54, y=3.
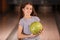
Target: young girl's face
x=27, y=10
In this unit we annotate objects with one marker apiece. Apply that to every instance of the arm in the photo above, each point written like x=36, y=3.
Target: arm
x=20, y=35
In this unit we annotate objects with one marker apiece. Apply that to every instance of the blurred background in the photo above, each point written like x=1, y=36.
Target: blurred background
x=47, y=10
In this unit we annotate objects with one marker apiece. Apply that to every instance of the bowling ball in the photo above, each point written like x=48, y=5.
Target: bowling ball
x=36, y=27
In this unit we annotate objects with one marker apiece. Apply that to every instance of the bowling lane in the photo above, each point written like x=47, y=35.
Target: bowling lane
x=50, y=28
x=9, y=23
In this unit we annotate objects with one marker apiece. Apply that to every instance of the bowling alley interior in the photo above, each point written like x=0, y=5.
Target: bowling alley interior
x=47, y=10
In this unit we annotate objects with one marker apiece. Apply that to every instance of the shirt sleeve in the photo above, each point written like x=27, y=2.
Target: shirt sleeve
x=37, y=18
x=21, y=23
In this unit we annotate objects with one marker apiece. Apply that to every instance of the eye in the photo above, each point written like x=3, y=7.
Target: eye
x=27, y=8
x=30, y=8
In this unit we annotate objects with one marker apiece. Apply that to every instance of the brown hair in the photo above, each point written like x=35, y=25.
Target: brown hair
x=22, y=6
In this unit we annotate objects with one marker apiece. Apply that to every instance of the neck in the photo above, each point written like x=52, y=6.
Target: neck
x=27, y=16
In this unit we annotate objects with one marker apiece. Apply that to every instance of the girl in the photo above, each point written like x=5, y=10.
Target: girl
x=27, y=16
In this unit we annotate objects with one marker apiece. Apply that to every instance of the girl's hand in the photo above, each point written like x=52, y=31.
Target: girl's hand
x=32, y=35
x=40, y=31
